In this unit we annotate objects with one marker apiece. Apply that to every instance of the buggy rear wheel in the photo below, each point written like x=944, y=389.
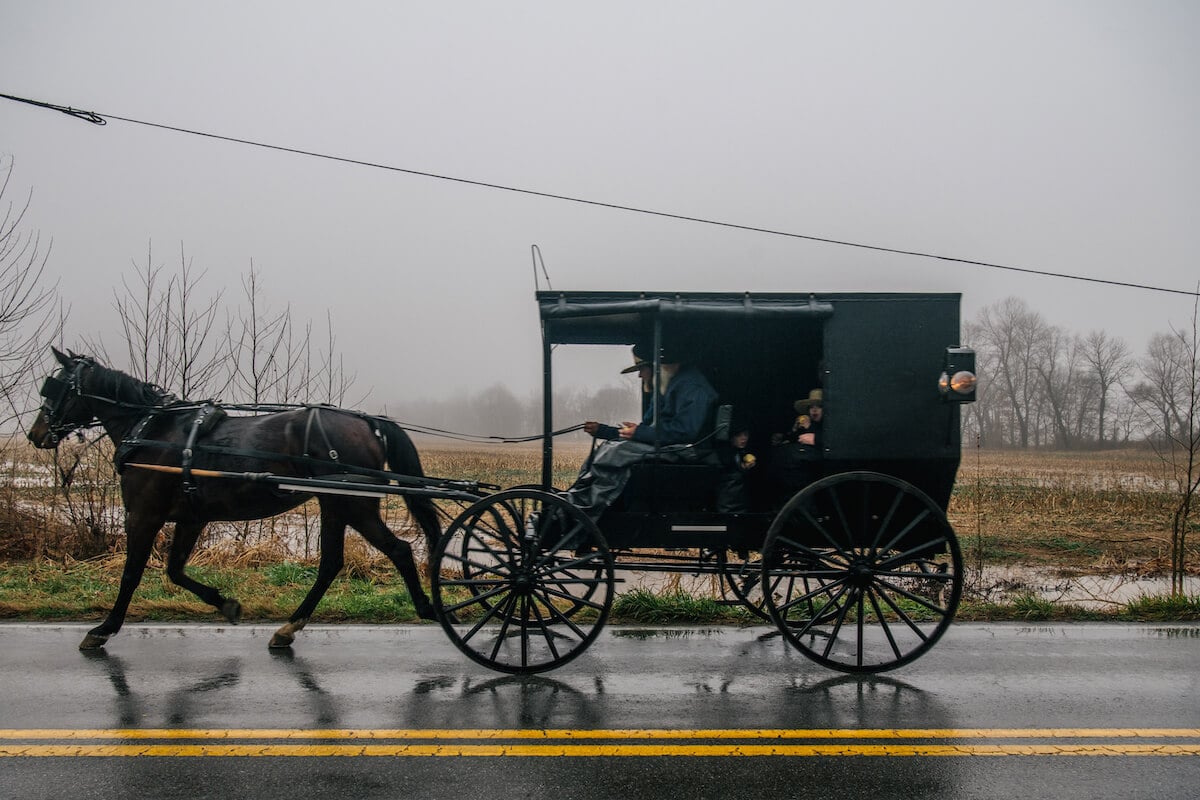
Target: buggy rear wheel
x=741, y=584
x=865, y=570
x=523, y=581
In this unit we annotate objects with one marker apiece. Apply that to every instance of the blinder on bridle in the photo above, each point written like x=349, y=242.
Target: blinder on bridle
x=56, y=393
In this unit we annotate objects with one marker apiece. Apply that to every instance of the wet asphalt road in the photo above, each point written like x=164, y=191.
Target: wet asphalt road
x=211, y=713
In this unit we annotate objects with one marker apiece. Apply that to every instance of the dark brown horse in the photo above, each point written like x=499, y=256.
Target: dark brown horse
x=183, y=442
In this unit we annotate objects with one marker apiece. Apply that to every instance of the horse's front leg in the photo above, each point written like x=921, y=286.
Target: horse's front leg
x=140, y=531
x=182, y=545
x=333, y=541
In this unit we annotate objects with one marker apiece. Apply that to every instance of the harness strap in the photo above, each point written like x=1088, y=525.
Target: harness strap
x=307, y=461
x=207, y=413
x=314, y=418
x=130, y=443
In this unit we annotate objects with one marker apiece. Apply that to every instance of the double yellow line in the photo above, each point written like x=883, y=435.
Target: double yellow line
x=591, y=743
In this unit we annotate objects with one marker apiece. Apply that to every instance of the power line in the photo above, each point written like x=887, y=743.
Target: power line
x=101, y=119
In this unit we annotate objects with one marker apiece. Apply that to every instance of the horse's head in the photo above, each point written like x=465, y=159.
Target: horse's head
x=64, y=407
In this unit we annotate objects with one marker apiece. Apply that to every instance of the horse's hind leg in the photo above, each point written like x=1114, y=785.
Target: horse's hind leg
x=333, y=540
x=425, y=513
x=139, y=533
x=400, y=552
x=182, y=544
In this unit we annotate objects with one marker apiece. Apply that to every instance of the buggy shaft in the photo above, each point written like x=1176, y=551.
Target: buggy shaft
x=316, y=485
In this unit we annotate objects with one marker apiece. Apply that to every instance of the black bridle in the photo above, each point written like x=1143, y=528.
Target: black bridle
x=57, y=391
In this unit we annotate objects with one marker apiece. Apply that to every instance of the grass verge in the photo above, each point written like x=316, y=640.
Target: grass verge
x=85, y=590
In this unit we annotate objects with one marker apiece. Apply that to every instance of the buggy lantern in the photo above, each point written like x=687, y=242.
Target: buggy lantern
x=957, y=383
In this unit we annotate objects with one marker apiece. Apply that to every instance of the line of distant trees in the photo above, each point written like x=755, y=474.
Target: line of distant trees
x=1041, y=386
x=497, y=411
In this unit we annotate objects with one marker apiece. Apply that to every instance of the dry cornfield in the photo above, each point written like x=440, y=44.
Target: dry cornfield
x=1062, y=514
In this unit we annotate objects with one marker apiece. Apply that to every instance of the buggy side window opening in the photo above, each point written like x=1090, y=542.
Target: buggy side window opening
x=760, y=357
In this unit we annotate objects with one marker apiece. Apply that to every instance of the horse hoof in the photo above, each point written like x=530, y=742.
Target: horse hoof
x=284, y=637
x=232, y=611
x=93, y=641
x=281, y=641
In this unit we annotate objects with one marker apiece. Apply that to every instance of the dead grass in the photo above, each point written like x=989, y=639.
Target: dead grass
x=1074, y=512
x=1094, y=512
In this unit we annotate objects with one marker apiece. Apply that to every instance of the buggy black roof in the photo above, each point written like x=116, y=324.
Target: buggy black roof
x=599, y=317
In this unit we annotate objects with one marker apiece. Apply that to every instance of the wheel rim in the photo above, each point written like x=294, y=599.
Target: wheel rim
x=523, y=581
x=865, y=570
x=743, y=581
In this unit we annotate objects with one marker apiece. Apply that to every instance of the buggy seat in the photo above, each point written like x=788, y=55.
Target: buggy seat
x=669, y=482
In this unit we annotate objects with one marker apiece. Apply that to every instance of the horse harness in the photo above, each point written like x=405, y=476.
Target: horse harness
x=208, y=415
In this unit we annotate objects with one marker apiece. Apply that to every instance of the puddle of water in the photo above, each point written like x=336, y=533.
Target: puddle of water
x=1087, y=591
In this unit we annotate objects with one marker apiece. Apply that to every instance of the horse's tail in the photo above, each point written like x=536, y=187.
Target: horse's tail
x=402, y=457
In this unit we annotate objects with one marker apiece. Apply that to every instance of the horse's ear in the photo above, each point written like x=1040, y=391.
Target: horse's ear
x=62, y=357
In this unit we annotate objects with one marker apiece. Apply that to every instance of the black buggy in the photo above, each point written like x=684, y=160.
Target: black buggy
x=859, y=569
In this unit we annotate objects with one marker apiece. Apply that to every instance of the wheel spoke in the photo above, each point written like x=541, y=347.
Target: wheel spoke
x=502, y=530
x=824, y=589
x=494, y=569
x=855, y=552
x=841, y=515
x=904, y=531
x=817, y=555
x=841, y=618
x=886, y=523
x=887, y=629
x=819, y=528
x=907, y=555
x=861, y=622
x=582, y=601
x=492, y=612
x=563, y=618
x=511, y=604
x=547, y=634
x=554, y=602
x=904, y=616
x=916, y=598
x=478, y=598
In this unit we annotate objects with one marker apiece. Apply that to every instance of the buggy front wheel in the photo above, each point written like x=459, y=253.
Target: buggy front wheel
x=866, y=572
x=523, y=581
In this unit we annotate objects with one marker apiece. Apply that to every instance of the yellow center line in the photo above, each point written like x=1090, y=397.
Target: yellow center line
x=34, y=742
x=618, y=733
x=611, y=750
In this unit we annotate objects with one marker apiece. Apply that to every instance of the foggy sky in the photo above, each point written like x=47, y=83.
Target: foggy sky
x=1057, y=136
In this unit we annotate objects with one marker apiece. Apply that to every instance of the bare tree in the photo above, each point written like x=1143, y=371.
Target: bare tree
x=1068, y=391
x=144, y=310
x=26, y=304
x=195, y=361
x=336, y=382
x=1110, y=364
x=256, y=340
x=1170, y=398
x=1184, y=451
x=167, y=330
x=1163, y=386
x=1013, y=333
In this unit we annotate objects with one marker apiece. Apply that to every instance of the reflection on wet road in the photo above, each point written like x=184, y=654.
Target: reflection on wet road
x=644, y=702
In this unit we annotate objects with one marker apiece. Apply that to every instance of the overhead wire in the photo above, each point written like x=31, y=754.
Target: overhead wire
x=99, y=118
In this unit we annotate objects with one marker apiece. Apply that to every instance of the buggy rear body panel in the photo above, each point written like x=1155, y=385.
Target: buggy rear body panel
x=877, y=358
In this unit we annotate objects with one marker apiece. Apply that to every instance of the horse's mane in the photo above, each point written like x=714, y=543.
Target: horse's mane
x=127, y=389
